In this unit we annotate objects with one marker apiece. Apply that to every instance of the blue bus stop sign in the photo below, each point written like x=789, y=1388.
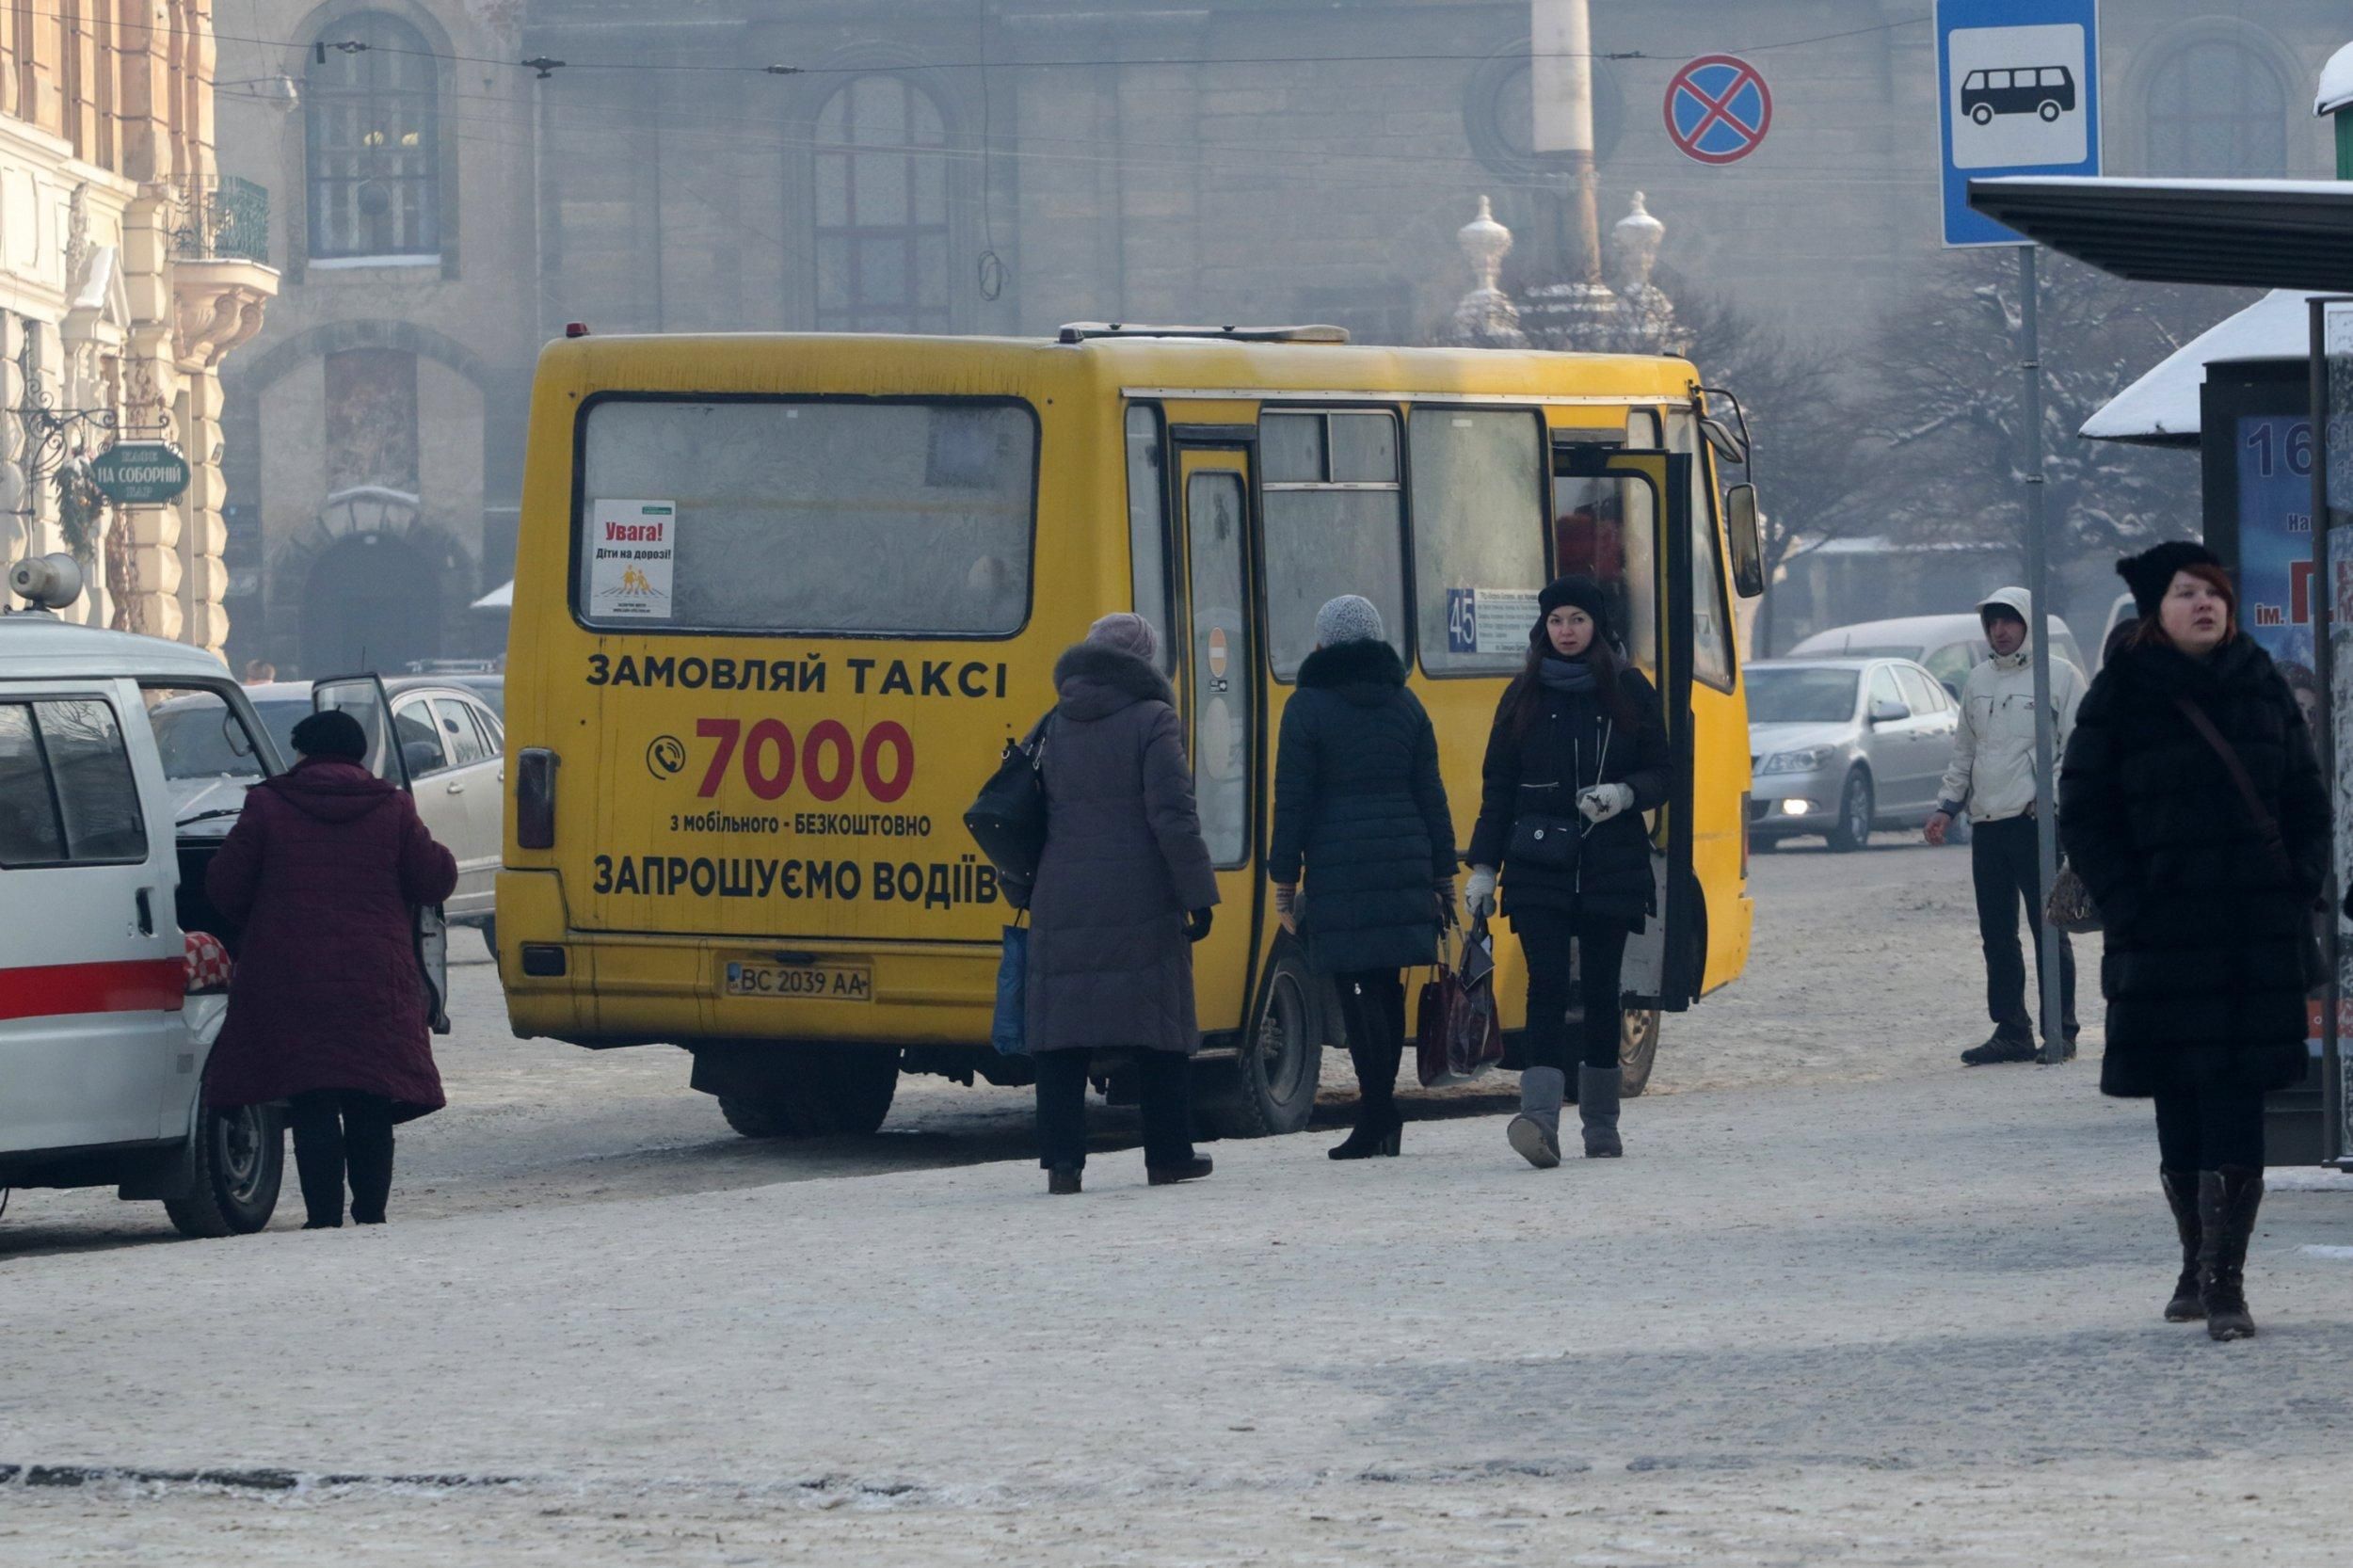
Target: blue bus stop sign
x=2018, y=92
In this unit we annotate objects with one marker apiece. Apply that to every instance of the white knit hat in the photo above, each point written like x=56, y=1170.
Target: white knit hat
x=1350, y=618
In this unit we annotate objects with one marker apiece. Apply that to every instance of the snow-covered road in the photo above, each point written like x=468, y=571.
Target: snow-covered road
x=1844, y=1301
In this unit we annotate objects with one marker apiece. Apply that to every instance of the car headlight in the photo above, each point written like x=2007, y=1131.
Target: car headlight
x=1804, y=759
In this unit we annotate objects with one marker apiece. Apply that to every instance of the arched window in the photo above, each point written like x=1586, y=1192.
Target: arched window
x=372, y=144
x=2215, y=109
x=882, y=209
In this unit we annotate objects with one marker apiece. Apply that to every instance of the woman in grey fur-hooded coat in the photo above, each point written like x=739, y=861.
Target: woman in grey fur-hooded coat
x=1109, y=966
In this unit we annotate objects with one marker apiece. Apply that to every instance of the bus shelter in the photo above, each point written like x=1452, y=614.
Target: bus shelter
x=2282, y=234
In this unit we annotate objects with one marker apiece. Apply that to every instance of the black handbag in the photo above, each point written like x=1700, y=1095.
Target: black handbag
x=1552, y=844
x=1007, y=818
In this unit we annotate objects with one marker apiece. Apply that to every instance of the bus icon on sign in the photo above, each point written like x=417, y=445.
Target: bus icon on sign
x=2045, y=91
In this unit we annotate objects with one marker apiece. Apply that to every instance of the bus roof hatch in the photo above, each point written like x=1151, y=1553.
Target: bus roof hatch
x=1079, y=332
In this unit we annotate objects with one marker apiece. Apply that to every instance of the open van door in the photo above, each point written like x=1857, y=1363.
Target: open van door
x=1623, y=516
x=363, y=697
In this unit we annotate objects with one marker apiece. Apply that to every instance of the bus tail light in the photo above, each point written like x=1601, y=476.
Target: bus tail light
x=534, y=798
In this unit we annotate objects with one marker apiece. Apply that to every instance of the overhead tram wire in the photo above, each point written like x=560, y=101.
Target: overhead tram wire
x=543, y=66
x=690, y=128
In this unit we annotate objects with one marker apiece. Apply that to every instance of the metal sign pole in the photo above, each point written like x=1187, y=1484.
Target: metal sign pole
x=2323, y=417
x=2039, y=634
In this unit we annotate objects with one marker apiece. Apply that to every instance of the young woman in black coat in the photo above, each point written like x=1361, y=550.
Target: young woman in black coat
x=1358, y=803
x=1578, y=752
x=2207, y=903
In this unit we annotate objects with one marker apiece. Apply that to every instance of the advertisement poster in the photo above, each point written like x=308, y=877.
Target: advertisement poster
x=2276, y=572
x=2275, y=511
x=633, y=546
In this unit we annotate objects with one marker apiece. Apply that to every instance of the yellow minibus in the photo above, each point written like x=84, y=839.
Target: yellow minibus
x=781, y=600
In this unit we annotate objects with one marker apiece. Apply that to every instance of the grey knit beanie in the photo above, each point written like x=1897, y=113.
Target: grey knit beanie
x=1350, y=618
x=1126, y=634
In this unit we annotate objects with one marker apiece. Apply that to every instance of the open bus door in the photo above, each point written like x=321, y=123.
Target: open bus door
x=1622, y=515
x=363, y=697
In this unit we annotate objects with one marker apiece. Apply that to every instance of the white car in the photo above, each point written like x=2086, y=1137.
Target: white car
x=452, y=742
x=1950, y=646
x=102, y=1049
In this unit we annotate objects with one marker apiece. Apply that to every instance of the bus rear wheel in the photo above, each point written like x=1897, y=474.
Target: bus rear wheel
x=808, y=1090
x=1270, y=1087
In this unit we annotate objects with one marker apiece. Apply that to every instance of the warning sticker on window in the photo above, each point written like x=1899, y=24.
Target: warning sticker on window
x=631, y=548
x=1489, y=620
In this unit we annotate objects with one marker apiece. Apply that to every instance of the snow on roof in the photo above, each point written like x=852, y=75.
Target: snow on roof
x=1880, y=544
x=2162, y=407
x=34, y=646
x=2336, y=82
x=500, y=597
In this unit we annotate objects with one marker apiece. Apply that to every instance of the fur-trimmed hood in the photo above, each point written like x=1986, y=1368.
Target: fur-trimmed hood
x=1364, y=672
x=1094, y=683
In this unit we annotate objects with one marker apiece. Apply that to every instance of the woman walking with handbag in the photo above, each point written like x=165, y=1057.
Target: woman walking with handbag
x=1578, y=752
x=1123, y=888
x=1359, y=806
x=2193, y=808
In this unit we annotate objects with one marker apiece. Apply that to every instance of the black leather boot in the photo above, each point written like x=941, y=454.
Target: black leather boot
x=2227, y=1201
x=2181, y=1194
x=1169, y=1175
x=1378, y=1131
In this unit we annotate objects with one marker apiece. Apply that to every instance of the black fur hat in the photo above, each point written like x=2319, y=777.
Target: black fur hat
x=332, y=733
x=2150, y=572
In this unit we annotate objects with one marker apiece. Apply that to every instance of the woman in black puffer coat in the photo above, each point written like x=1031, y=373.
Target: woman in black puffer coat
x=1358, y=803
x=1578, y=749
x=2207, y=914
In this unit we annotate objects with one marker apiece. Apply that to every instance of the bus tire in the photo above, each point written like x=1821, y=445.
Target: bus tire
x=1270, y=1087
x=238, y=1162
x=817, y=1092
x=1638, y=1049
x=1855, y=814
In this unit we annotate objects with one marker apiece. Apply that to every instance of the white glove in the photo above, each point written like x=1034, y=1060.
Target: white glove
x=1604, y=801
x=1480, y=897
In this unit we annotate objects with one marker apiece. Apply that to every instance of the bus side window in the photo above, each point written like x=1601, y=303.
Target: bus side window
x=1479, y=535
x=1147, y=525
x=1333, y=519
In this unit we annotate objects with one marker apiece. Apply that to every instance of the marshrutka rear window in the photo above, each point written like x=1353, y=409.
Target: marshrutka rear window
x=911, y=518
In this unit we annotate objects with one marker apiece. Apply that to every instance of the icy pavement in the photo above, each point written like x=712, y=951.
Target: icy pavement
x=1903, y=1321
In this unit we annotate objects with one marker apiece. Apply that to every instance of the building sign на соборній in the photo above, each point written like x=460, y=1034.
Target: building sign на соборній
x=139, y=473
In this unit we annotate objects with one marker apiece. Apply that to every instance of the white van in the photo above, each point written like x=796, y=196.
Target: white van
x=102, y=1049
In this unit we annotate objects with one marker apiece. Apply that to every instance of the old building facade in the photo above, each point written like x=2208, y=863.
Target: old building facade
x=378, y=425
x=1005, y=166
x=129, y=275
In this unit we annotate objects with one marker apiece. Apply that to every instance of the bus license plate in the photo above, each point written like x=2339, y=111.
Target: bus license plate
x=800, y=981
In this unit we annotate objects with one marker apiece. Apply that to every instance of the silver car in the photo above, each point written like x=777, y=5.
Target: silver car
x=454, y=742
x=1840, y=746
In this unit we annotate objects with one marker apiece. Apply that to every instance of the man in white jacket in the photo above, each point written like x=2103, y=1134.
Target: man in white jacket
x=1992, y=777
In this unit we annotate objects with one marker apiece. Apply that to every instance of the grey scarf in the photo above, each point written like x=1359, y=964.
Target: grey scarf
x=1567, y=675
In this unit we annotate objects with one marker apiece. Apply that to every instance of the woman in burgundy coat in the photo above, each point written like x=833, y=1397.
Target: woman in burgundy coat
x=327, y=1009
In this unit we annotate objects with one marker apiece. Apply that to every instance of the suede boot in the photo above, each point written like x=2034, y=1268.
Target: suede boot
x=2181, y=1194
x=1597, y=1107
x=2227, y=1201
x=1536, y=1130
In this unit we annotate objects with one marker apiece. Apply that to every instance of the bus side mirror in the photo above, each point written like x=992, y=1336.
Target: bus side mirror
x=1744, y=532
